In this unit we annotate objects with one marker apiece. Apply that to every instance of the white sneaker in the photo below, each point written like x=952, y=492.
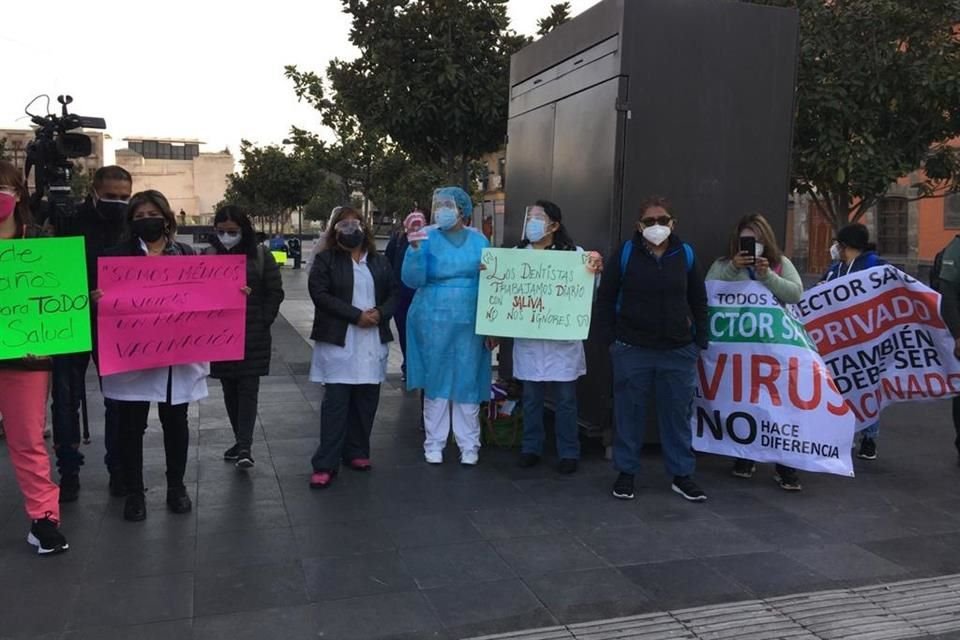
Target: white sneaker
x=433, y=457
x=469, y=458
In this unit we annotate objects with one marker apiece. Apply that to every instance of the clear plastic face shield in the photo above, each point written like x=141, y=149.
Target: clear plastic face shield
x=445, y=212
x=536, y=224
x=347, y=226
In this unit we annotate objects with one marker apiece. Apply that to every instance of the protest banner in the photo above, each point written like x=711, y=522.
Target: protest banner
x=881, y=336
x=763, y=392
x=44, y=297
x=280, y=257
x=535, y=294
x=157, y=312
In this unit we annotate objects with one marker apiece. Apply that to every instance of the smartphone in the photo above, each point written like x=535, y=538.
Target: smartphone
x=749, y=246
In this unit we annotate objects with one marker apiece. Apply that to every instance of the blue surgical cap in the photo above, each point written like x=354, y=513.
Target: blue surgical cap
x=460, y=197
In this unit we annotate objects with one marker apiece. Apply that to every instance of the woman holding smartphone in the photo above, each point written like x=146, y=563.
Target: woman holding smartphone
x=755, y=255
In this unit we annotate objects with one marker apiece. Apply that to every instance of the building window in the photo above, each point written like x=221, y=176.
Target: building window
x=892, y=214
x=136, y=146
x=177, y=152
x=163, y=151
x=502, y=170
x=150, y=149
x=951, y=211
x=191, y=151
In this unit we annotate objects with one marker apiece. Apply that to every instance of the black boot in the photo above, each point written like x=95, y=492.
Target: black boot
x=135, y=510
x=178, y=501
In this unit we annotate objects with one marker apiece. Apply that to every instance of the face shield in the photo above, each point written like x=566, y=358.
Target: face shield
x=445, y=212
x=536, y=224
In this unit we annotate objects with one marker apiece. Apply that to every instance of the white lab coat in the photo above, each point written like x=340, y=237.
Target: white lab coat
x=363, y=358
x=548, y=360
x=150, y=385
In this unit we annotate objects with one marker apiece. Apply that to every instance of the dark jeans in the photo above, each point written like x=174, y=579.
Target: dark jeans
x=346, y=420
x=565, y=418
x=69, y=376
x=176, y=440
x=637, y=374
x=240, y=395
x=400, y=319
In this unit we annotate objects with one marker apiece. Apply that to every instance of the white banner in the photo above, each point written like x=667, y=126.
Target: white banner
x=880, y=334
x=763, y=391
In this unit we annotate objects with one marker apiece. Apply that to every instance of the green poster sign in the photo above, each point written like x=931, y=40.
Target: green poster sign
x=280, y=257
x=44, y=297
x=535, y=294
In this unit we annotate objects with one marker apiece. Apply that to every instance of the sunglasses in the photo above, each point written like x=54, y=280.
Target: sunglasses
x=661, y=220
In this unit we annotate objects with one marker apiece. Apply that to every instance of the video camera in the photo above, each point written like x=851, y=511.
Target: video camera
x=51, y=153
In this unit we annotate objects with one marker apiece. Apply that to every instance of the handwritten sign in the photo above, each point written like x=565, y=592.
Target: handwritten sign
x=526, y=293
x=157, y=312
x=44, y=297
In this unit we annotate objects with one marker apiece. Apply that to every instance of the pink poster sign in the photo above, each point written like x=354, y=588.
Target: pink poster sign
x=157, y=312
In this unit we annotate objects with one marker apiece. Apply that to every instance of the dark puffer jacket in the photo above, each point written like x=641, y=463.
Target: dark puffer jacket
x=263, y=305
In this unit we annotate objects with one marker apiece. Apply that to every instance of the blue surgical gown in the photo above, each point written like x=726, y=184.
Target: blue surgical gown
x=445, y=356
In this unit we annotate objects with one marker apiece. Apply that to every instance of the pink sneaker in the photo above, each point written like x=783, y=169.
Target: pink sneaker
x=361, y=464
x=321, y=480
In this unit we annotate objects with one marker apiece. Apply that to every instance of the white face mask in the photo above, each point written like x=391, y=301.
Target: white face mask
x=229, y=240
x=758, y=250
x=835, y=252
x=656, y=234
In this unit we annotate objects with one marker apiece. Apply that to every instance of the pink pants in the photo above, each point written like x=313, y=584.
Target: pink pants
x=23, y=399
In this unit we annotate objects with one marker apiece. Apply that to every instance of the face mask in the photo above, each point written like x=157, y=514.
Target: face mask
x=447, y=218
x=536, y=230
x=835, y=252
x=758, y=250
x=657, y=234
x=350, y=240
x=229, y=240
x=8, y=202
x=112, y=210
x=148, y=229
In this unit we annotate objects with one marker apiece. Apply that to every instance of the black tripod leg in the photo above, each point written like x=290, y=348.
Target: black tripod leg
x=83, y=411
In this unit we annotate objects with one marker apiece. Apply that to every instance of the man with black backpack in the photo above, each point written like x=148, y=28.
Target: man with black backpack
x=945, y=278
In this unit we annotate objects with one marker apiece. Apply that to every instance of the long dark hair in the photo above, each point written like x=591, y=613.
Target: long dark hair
x=248, y=238
x=157, y=199
x=369, y=245
x=561, y=239
x=765, y=235
x=10, y=176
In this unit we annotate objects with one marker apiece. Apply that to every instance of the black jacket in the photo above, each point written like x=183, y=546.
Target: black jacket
x=98, y=234
x=331, y=289
x=263, y=305
x=663, y=303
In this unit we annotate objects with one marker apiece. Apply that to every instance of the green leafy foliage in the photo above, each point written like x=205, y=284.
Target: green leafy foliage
x=559, y=14
x=878, y=99
x=432, y=75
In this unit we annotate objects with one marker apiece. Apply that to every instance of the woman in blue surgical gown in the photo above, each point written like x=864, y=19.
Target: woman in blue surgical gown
x=445, y=357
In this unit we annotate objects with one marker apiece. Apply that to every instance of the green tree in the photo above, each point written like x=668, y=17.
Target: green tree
x=272, y=183
x=559, y=14
x=878, y=99
x=81, y=181
x=330, y=193
x=432, y=76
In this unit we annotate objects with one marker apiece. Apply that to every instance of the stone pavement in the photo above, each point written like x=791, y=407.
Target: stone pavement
x=411, y=551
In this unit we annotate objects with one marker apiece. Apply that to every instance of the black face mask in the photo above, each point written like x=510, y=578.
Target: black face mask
x=350, y=240
x=111, y=210
x=148, y=229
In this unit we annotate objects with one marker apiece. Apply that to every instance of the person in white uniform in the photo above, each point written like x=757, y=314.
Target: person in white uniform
x=151, y=229
x=354, y=292
x=543, y=363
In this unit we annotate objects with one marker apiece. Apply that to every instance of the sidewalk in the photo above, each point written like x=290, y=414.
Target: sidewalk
x=411, y=551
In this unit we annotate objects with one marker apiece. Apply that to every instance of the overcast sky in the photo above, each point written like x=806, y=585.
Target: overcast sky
x=207, y=69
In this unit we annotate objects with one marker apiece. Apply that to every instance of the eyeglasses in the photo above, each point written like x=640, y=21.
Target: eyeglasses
x=347, y=225
x=661, y=220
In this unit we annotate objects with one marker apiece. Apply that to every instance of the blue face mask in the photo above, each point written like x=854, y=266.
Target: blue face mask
x=447, y=218
x=536, y=230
